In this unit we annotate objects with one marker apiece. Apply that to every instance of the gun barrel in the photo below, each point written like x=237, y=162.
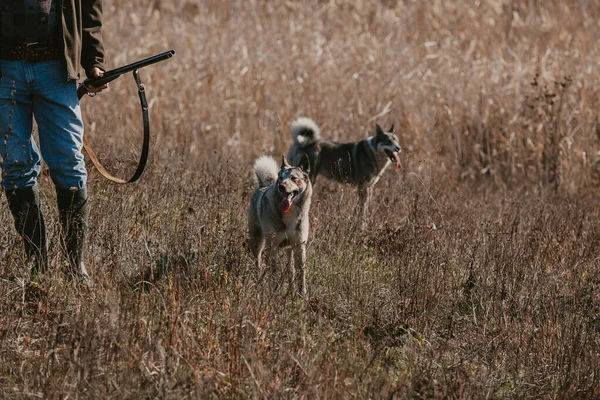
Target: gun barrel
x=115, y=73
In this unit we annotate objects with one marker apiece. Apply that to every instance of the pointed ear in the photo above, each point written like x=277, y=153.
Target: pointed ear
x=284, y=163
x=305, y=164
x=391, y=128
x=378, y=130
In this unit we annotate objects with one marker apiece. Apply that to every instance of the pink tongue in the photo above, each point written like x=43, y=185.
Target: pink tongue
x=285, y=204
x=398, y=163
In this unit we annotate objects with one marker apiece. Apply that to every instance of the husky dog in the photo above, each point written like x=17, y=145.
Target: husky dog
x=360, y=163
x=278, y=215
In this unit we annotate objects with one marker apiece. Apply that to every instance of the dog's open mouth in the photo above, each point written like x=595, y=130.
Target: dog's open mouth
x=288, y=199
x=394, y=157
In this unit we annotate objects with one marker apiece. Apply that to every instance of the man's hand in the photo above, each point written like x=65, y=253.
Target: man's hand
x=95, y=72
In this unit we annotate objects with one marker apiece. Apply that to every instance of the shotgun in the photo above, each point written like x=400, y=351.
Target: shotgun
x=113, y=74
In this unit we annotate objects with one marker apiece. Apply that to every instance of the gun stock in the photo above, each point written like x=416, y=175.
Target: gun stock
x=113, y=74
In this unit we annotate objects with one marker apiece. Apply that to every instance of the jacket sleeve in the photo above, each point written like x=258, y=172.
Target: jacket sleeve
x=92, y=49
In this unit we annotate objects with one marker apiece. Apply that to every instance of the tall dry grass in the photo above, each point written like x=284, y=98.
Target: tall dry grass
x=478, y=277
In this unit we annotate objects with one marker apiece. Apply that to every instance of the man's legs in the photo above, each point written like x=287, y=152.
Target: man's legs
x=20, y=161
x=58, y=115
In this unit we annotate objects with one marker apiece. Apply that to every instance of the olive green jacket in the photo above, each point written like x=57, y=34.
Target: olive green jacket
x=82, y=35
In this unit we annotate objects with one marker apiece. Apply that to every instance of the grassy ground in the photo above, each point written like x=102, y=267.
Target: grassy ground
x=478, y=278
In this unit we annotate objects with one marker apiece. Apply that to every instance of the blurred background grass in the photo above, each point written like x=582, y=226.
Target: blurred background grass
x=477, y=278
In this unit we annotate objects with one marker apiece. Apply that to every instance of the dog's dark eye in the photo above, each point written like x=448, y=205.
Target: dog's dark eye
x=297, y=181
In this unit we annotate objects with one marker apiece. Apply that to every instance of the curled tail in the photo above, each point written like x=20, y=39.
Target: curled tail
x=265, y=169
x=305, y=132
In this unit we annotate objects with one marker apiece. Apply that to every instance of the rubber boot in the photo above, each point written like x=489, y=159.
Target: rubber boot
x=73, y=211
x=24, y=204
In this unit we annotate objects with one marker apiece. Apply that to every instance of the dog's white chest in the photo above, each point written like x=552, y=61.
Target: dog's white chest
x=296, y=227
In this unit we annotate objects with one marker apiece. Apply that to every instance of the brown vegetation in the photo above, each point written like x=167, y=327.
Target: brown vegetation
x=478, y=277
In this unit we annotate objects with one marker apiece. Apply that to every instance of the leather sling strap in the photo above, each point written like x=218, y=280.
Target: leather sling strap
x=145, y=146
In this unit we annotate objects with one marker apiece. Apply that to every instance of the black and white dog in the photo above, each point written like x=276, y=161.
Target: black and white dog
x=359, y=163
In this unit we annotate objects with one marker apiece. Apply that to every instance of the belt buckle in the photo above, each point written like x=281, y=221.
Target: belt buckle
x=36, y=51
x=29, y=53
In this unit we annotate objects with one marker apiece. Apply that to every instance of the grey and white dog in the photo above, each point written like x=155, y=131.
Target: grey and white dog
x=359, y=163
x=278, y=216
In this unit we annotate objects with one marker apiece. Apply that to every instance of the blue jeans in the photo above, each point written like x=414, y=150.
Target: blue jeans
x=41, y=91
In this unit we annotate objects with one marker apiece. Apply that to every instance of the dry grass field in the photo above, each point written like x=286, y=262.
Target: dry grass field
x=479, y=275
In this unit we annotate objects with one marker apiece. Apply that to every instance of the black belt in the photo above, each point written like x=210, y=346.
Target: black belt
x=30, y=52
